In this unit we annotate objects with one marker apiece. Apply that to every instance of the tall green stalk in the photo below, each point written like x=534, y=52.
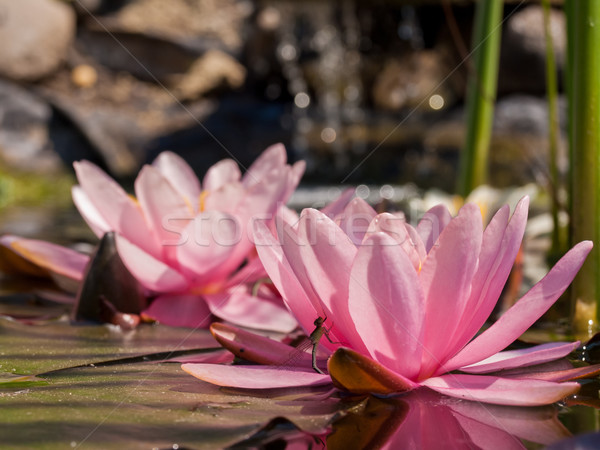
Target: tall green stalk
x=555, y=184
x=584, y=115
x=481, y=95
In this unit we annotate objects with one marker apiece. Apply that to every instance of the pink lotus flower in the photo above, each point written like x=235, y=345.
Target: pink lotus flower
x=403, y=307
x=185, y=242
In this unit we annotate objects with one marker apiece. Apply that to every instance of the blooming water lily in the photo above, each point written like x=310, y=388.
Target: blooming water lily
x=403, y=307
x=184, y=241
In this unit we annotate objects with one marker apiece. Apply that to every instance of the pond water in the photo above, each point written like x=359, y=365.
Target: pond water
x=66, y=385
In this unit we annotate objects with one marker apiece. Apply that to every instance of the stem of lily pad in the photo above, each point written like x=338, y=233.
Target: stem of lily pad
x=584, y=116
x=481, y=95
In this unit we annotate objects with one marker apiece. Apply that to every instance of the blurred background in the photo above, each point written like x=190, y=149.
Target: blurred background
x=365, y=92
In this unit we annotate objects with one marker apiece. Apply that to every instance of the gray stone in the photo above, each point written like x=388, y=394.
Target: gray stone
x=24, y=131
x=34, y=37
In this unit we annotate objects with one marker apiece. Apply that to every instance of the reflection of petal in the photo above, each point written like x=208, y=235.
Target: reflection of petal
x=501, y=391
x=255, y=377
x=537, y=424
x=370, y=426
x=179, y=311
x=426, y=420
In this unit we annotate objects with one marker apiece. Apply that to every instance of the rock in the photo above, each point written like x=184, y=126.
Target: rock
x=24, y=137
x=524, y=45
x=118, y=115
x=39, y=32
x=221, y=21
x=211, y=71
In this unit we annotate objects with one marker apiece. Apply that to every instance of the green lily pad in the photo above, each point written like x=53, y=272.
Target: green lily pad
x=144, y=406
x=37, y=349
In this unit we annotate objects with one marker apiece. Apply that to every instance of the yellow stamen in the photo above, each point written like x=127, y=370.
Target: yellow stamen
x=202, y=200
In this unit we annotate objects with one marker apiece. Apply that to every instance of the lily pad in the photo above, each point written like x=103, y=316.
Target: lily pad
x=144, y=406
x=37, y=349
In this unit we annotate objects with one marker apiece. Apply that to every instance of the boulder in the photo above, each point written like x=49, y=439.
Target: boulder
x=35, y=36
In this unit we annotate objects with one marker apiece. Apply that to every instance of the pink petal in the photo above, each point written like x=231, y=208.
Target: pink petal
x=149, y=271
x=326, y=254
x=188, y=311
x=337, y=206
x=416, y=242
x=274, y=157
x=501, y=391
x=225, y=199
x=261, y=201
x=446, y=277
x=543, y=373
x=432, y=224
x=355, y=219
x=209, y=241
x=213, y=357
x=122, y=214
x=386, y=304
x=295, y=175
x=88, y=211
x=253, y=347
x=395, y=226
x=501, y=242
x=239, y=306
x=525, y=312
x=523, y=357
x=222, y=173
x=181, y=176
x=166, y=210
x=255, y=377
x=52, y=257
x=283, y=277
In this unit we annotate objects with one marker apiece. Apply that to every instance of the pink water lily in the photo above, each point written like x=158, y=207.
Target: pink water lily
x=185, y=241
x=404, y=305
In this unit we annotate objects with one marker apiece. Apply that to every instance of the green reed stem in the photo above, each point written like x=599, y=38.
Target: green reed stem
x=555, y=183
x=584, y=115
x=481, y=95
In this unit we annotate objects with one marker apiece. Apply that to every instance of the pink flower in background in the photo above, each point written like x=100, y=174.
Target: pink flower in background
x=184, y=241
x=406, y=304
